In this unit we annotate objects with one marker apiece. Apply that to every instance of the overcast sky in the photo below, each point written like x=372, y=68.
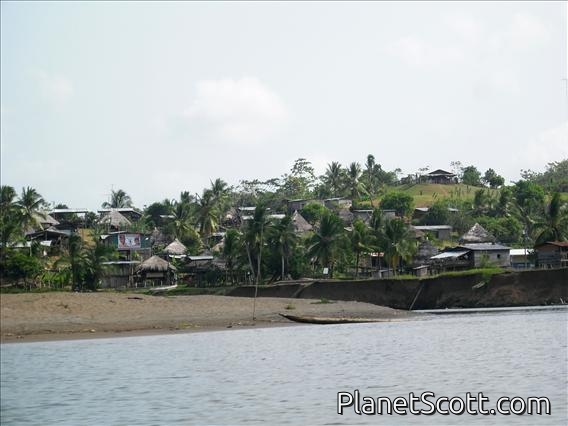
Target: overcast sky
x=156, y=98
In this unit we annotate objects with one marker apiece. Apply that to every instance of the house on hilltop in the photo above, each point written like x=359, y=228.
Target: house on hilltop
x=441, y=177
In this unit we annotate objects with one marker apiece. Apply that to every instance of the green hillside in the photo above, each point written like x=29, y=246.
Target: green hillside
x=426, y=194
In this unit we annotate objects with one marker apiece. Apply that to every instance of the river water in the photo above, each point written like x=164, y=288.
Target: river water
x=290, y=375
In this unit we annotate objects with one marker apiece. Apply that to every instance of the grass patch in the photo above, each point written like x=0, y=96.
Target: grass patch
x=193, y=291
x=322, y=301
x=290, y=307
x=486, y=273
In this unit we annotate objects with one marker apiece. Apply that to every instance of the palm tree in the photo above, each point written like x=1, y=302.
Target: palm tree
x=9, y=217
x=254, y=238
x=118, y=199
x=359, y=239
x=334, y=177
x=283, y=239
x=554, y=225
x=182, y=221
x=30, y=204
x=206, y=214
x=325, y=242
x=397, y=243
x=219, y=188
x=220, y=191
x=231, y=249
x=356, y=187
x=371, y=178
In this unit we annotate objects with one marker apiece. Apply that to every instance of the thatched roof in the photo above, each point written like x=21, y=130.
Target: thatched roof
x=477, y=234
x=300, y=224
x=175, y=247
x=116, y=219
x=45, y=219
x=155, y=264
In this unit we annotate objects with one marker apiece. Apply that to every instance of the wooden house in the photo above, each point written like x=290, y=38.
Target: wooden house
x=522, y=258
x=441, y=177
x=488, y=254
x=440, y=232
x=552, y=254
x=468, y=256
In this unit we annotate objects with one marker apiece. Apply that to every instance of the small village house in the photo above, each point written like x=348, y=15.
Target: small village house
x=440, y=177
x=552, y=254
x=155, y=271
x=522, y=258
x=131, y=214
x=440, y=232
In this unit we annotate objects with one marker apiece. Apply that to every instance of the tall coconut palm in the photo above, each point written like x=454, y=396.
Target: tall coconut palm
x=220, y=191
x=282, y=238
x=325, y=243
x=231, y=249
x=554, y=224
x=334, y=177
x=206, y=214
x=254, y=236
x=397, y=243
x=360, y=241
x=118, y=200
x=354, y=183
x=30, y=204
x=9, y=217
x=182, y=221
x=370, y=177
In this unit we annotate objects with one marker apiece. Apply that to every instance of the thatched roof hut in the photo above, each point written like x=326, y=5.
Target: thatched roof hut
x=301, y=225
x=175, y=248
x=477, y=234
x=155, y=264
x=45, y=220
x=115, y=219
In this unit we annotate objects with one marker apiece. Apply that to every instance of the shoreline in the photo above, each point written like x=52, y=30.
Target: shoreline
x=32, y=317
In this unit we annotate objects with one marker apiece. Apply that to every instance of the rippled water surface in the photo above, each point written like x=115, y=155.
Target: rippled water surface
x=289, y=375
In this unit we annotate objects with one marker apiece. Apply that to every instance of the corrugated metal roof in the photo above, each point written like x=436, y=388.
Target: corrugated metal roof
x=450, y=254
x=520, y=252
x=433, y=227
x=484, y=246
x=56, y=211
x=194, y=258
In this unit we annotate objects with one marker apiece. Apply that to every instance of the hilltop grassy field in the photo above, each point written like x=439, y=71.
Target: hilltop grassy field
x=426, y=194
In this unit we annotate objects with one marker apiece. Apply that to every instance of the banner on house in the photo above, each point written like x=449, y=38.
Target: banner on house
x=128, y=241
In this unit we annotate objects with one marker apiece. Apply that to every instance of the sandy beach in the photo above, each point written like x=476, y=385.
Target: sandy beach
x=50, y=316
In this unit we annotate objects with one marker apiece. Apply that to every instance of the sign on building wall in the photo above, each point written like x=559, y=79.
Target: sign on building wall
x=129, y=241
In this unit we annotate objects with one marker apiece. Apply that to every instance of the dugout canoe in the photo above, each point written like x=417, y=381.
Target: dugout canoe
x=331, y=320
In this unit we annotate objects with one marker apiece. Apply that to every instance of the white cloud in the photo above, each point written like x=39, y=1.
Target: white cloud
x=243, y=111
x=421, y=54
x=465, y=26
x=551, y=145
x=523, y=32
x=56, y=89
x=527, y=30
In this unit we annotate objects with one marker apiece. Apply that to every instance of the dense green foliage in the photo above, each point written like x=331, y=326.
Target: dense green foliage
x=261, y=243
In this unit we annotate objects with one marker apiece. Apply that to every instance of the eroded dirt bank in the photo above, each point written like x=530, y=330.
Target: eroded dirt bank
x=526, y=288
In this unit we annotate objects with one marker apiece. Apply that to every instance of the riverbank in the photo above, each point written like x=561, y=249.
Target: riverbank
x=52, y=316
x=541, y=287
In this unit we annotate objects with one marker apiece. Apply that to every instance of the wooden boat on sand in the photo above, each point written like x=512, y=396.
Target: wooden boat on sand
x=331, y=320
